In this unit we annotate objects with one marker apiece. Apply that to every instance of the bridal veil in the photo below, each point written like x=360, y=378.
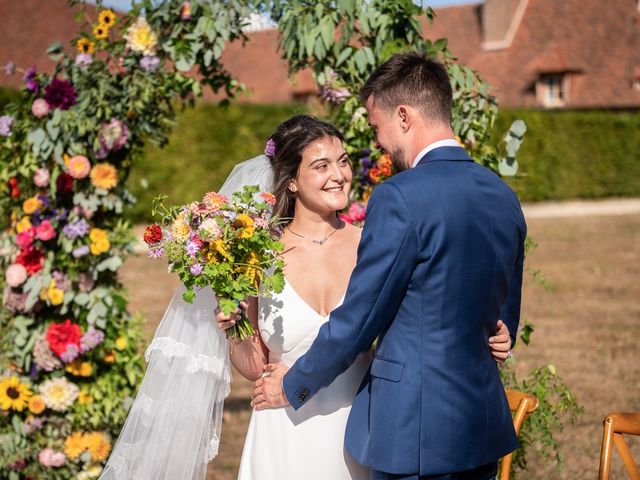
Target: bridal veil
x=173, y=428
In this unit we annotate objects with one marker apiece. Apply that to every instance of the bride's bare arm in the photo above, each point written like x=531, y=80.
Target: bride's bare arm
x=248, y=356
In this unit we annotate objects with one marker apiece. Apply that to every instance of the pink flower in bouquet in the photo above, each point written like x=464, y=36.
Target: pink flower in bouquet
x=40, y=107
x=50, y=458
x=16, y=275
x=357, y=212
x=199, y=208
x=214, y=201
x=260, y=223
x=45, y=231
x=211, y=228
x=41, y=177
x=79, y=167
x=113, y=135
x=25, y=238
x=268, y=197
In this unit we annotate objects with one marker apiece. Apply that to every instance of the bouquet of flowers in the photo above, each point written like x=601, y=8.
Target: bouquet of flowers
x=231, y=245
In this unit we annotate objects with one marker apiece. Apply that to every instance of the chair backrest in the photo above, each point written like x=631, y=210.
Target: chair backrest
x=522, y=405
x=615, y=424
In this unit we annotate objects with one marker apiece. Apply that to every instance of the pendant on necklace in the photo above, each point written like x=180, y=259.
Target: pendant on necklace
x=320, y=242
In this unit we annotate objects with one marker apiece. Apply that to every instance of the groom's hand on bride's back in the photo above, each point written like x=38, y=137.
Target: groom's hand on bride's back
x=500, y=343
x=268, y=392
x=227, y=321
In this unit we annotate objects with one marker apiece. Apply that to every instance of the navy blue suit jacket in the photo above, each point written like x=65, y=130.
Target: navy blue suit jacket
x=440, y=261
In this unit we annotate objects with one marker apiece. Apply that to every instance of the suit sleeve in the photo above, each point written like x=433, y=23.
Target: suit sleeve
x=386, y=259
x=510, y=312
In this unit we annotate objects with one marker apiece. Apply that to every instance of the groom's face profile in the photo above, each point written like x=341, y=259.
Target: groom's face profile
x=388, y=134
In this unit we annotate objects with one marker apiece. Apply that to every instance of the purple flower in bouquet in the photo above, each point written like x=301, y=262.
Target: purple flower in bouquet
x=270, y=148
x=14, y=302
x=75, y=229
x=156, y=252
x=62, y=281
x=30, y=81
x=32, y=424
x=192, y=247
x=149, y=63
x=83, y=59
x=113, y=135
x=80, y=251
x=6, y=122
x=44, y=357
x=60, y=94
x=85, y=282
x=10, y=68
x=196, y=269
x=70, y=354
x=91, y=339
x=334, y=95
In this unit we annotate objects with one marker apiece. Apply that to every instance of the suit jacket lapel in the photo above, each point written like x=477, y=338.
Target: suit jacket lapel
x=445, y=154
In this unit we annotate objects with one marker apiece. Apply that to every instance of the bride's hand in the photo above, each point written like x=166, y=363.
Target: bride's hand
x=500, y=343
x=227, y=321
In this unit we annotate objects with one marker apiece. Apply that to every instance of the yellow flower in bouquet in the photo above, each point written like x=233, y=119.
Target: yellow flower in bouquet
x=30, y=205
x=74, y=445
x=99, y=241
x=14, y=395
x=180, y=229
x=98, y=445
x=100, y=31
x=55, y=295
x=84, y=45
x=36, y=405
x=23, y=225
x=79, y=368
x=104, y=176
x=245, y=222
x=85, y=398
x=140, y=37
x=122, y=342
x=107, y=18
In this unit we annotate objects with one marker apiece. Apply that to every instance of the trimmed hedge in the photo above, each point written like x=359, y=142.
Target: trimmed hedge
x=576, y=154
x=207, y=142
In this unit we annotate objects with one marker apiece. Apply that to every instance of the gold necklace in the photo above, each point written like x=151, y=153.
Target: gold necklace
x=317, y=242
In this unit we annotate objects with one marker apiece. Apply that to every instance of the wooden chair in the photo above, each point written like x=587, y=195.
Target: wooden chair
x=615, y=424
x=523, y=405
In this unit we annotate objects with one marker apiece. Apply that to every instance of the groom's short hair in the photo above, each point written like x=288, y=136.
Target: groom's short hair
x=411, y=79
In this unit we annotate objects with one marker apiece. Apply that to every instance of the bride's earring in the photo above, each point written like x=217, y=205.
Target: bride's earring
x=293, y=188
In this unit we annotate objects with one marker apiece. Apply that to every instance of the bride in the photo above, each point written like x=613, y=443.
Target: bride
x=173, y=428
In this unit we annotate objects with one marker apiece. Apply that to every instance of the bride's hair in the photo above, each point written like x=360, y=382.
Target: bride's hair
x=289, y=140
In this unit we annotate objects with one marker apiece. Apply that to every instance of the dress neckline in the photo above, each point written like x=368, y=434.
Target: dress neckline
x=287, y=283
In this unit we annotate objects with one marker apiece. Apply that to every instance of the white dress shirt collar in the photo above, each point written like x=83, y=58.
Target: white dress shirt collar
x=449, y=142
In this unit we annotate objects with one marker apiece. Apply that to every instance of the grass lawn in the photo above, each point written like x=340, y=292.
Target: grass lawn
x=587, y=325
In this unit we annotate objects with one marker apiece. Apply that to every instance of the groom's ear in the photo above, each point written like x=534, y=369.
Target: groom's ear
x=405, y=117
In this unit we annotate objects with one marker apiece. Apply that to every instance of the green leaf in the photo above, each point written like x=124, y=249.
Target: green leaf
x=189, y=295
x=111, y=263
x=343, y=56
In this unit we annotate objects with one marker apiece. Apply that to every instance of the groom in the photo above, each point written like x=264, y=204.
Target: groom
x=440, y=261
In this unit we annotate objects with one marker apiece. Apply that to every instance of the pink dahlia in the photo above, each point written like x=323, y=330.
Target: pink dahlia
x=16, y=275
x=45, y=231
x=40, y=107
x=41, y=177
x=79, y=167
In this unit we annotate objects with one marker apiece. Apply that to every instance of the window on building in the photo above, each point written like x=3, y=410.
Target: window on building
x=551, y=90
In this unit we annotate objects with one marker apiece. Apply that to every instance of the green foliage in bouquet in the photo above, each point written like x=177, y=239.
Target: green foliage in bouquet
x=343, y=42
x=231, y=245
x=70, y=358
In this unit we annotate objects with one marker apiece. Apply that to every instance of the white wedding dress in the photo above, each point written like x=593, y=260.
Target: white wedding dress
x=284, y=444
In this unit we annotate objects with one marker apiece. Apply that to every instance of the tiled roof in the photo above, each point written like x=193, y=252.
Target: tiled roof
x=596, y=44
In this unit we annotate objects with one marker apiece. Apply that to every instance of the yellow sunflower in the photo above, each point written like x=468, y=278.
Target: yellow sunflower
x=14, y=395
x=107, y=18
x=100, y=31
x=84, y=45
